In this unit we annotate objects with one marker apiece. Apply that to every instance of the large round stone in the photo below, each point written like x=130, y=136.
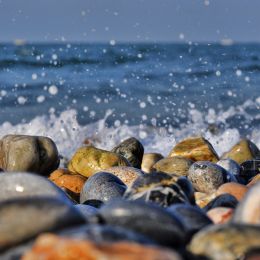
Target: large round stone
x=132, y=150
x=28, y=154
x=102, y=186
x=89, y=160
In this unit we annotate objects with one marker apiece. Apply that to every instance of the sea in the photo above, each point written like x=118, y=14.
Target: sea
x=103, y=93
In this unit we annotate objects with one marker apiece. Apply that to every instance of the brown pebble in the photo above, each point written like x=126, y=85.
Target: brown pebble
x=254, y=180
x=235, y=189
x=202, y=199
x=220, y=215
x=149, y=159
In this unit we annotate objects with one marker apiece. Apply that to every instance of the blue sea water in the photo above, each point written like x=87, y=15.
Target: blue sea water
x=104, y=91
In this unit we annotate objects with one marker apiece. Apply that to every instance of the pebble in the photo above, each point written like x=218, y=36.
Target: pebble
x=132, y=150
x=27, y=185
x=220, y=215
x=25, y=153
x=173, y=165
x=248, y=210
x=206, y=176
x=230, y=166
x=244, y=150
x=86, y=210
x=254, y=180
x=228, y=241
x=192, y=218
x=202, y=199
x=195, y=149
x=149, y=159
x=235, y=189
x=159, y=188
x=147, y=219
x=49, y=246
x=125, y=173
x=89, y=160
x=102, y=186
x=249, y=170
x=24, y=218
x=73, y=183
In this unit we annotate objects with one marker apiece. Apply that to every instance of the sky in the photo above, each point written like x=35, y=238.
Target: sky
x=129, y=20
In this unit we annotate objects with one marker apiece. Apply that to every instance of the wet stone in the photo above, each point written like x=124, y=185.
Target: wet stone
x=147, y=219
x=254, y=180
x=195, y=149
x=149, y=159
x=248, y=210
x=230, y=166
x=49, y=246
x=158, y=188
x=25, y=153
x=89, y=160
x=132, y=150
x=243, y=151
x=24, y=218
x=18, y=185
x=102, y=186
x=249, y=170
x=235, y=189
x=86, y=210
x=125, y=173
x=202, y=199
x=207, y=177
x=192, y=218
x=224, y=200
x=174, y=165
x=229, y=241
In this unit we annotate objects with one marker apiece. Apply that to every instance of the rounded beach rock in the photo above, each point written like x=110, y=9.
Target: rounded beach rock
x=89, y=160
x=173, y=165
x=18, y=185
x=235, y=189
x=244, y=150
x=24, y=218
x=132, y=150
x=64, y=179
x=25, y=153
x=49, y=246
x=149, y=159
x=195, y=149
x=125, y=173
x=249, y=169
x=254, y=180
x=102, y=187
x=228, y=241
x=206, y=176
x=147, y=219
x=230, y=165
x=202, y=199
x=248, y=210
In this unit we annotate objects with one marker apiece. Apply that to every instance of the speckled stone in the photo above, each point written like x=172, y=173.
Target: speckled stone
x=230, y=165
x=249, y=169
x=227, y=242
x=235, y=189
x=146, y=219
x=89, y=160
x=206, y=176
x=132, y=150
x=223, y=200
x=25, y=153
x=49, y=246
x=102, y=186
x=248, y=210
x=18, y=185
x=125, y=173
x=24, y=218
x=149, y=159
x=174, y=165
x=195, y=149
x=192, y=218
x=244, y=150
x=64, y=179
x=159, y=188
x=220, y=215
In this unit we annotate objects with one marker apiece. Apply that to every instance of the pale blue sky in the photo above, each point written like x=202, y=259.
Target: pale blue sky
x=129, y=20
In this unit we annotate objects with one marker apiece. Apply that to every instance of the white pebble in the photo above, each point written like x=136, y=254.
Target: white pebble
x=53, y=90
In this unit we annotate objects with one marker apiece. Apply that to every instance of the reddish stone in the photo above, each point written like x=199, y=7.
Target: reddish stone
x=220, y=215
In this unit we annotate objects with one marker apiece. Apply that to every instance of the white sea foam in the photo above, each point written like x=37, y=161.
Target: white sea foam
x=68, y=134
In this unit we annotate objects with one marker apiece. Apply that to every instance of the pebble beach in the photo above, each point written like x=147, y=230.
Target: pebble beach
x=124, y=203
